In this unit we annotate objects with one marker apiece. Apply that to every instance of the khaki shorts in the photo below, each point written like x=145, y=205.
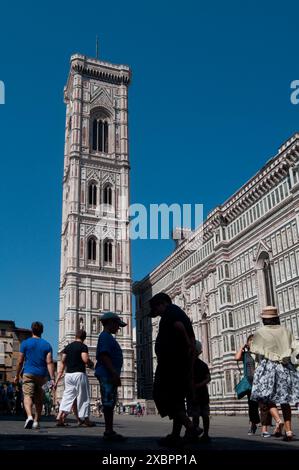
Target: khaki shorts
x=32, y=387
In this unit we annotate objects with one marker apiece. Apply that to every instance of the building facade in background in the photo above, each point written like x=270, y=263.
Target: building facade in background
x=10, y=340
x=243, y=257
x=95, y=247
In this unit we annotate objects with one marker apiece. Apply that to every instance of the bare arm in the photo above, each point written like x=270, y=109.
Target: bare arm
x=50, y=366
x=62, y=368
x=19, y=367
x=86, y=359
x=238, y=355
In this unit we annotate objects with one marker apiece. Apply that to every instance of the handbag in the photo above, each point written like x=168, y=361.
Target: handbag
x=244, y=386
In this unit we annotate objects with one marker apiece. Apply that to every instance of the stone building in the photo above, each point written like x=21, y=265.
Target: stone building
x=95, y=247
x=244, y=256
x=10, y=340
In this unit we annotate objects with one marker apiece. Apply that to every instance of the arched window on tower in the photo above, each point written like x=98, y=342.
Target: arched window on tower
x=92, y=194
x=100, y=135
x=108, y=246
x=92, y=249
x=107, y=199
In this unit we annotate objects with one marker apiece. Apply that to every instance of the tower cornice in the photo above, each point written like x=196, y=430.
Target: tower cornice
x=105, y=71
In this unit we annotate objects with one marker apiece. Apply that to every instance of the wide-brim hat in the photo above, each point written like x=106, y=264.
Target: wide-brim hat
x=269, y=312
x=113, y=316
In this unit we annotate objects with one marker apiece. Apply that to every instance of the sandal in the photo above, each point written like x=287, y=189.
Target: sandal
x=87, y=424
x=288, y=436
x=278, y=430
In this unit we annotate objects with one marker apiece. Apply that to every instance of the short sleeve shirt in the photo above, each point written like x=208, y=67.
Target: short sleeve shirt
x=108, y=344
x=35, y=351
x=73, y=360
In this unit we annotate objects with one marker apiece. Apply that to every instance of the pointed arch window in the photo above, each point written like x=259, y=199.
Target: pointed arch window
x=268, y=281
x=92, y=249
x=100, y=135
x=108, y=195
x=108, y=247
x=92, y=194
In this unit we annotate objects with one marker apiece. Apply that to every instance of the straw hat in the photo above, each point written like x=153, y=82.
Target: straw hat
x=269, y=312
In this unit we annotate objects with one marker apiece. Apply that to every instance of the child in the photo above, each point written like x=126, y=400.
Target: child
x=108, y=368
x=199, y=405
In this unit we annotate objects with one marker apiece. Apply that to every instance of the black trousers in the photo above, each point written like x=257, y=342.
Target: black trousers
x=253, y=411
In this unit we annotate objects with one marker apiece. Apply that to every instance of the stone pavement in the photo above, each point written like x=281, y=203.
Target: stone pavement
x=229, y=437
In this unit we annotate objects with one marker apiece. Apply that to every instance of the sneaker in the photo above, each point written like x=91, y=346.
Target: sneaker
x=265, y=434
x=252, y=430
x=28, y=423
x=36, y=425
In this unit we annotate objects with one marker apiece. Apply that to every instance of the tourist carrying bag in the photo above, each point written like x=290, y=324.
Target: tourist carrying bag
x=244, y=386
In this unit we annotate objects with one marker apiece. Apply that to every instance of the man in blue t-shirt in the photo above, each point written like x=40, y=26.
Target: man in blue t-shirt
x=37, y=363
x=108, y=368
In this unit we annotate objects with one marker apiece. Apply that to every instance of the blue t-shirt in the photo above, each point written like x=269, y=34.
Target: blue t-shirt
x=35, y=351
x=108, y=344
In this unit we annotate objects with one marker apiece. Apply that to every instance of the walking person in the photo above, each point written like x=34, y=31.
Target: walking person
x=174, y=348
x=36, y=361
x=74, y=359
x=276, y=380
x=248, y=359
x=198, y=404
x=108, y=369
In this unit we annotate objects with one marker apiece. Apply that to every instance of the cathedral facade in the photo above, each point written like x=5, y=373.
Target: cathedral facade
x=95, y=247
x=244, y=256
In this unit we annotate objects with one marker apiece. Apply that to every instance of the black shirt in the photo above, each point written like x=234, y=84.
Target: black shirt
x=170, y=347
x=201, y=372
x=73, y=360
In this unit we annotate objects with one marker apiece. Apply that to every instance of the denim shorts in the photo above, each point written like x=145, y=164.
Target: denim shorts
x=108, y=392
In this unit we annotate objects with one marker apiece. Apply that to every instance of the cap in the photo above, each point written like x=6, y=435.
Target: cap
x=113, y=316
x=198, y=346
x=269, y=312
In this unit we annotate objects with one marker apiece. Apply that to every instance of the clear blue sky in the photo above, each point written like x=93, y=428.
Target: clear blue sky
x=209, y=104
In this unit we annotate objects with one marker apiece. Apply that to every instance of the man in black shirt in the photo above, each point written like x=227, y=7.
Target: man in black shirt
x=174, y=348
x=75, y=358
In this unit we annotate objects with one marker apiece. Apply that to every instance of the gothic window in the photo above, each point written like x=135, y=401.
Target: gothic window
x=92, y=249
x=92, y=194
x=268, y=281
x=107, y=199
x=108, y=252
x=100, y=135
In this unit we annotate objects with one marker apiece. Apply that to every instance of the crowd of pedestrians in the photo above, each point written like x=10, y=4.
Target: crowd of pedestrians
x=181, y=379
